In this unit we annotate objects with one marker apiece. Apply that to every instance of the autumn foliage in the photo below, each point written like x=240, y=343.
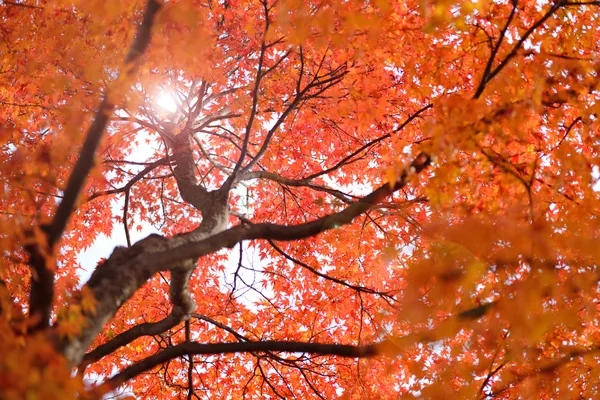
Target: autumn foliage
x=310, y=199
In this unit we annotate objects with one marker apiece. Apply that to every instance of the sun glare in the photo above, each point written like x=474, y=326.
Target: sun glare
x=166, y=102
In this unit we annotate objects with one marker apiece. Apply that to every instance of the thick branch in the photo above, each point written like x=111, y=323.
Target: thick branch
x=581, y=3
x=179, y=292
x=42, y=290
x=126, y=270
x=266, y=347
x=240, y=347
x=232, y=236
x=185, y=173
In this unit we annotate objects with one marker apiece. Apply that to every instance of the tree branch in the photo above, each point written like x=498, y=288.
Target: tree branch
x=133, y=181
x=368, y=145
x=581, y=3
x=296, y=182
x=265, y=347
x=254, y=109
x=240, y=347
x=490, y=63
x=358, y=288
x=320, y=82
x=513, y=51
x=42, y=277
x=232, y=236
x=85, y=162
x=127, y=269
x=123, y=339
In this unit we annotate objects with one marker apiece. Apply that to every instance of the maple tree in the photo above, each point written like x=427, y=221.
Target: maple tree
x=359, y=199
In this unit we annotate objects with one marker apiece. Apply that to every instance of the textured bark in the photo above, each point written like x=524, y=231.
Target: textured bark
x=127, y=269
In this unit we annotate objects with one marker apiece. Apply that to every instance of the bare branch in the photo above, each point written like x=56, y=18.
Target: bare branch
x=268, y=347
x=234, y=235
x=322, y=84
x=125, y=212
x=216, y=323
